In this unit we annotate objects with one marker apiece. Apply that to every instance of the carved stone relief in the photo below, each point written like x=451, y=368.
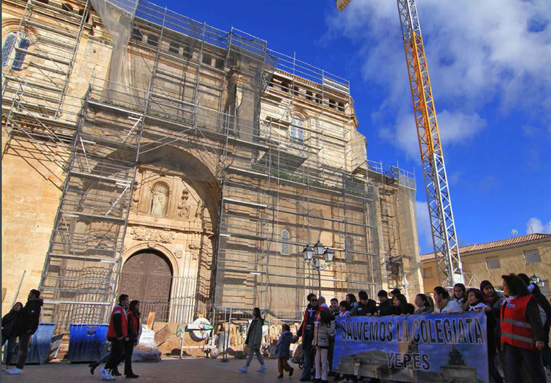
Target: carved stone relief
x=140, y=233
x=194, y=250
x=183, y=206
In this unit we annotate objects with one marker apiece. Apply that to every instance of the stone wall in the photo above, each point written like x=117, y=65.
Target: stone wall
x=511, y=259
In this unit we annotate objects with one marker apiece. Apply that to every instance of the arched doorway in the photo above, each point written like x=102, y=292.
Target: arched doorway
x=147, y=277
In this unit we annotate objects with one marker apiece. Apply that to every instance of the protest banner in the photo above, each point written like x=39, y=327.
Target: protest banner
x=414, y=348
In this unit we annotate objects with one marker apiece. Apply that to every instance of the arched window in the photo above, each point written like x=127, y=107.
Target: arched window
x=348, y=249
x=285, y=242
x=159, y=199
x=297, y=130
x=8, y=48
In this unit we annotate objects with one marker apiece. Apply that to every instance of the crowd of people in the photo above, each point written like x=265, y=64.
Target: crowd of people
x=518, y=325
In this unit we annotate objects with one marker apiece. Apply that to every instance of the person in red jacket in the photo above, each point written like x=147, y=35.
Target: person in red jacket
x=306, y=331
x=522, y=334
x=134, y=332
x=117, y=334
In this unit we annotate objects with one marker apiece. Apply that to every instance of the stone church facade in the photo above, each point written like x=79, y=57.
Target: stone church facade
x=147, y=153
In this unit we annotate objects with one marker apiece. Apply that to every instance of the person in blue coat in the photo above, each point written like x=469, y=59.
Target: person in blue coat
x=282, y=350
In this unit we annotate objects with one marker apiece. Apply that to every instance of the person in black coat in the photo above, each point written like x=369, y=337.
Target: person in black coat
x=8, y=334
x=385, y=304
x=24, y=328
x=365, y=306
x=401, y=305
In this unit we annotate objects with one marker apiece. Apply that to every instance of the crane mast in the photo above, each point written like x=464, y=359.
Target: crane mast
x=444, y=237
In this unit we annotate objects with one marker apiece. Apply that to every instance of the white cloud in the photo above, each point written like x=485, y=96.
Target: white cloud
x=479, y=53
x=535, y=225
x=423, y=226
x=455, y=127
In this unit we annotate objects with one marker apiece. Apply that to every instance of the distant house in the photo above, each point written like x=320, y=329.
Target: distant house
x=529, y=254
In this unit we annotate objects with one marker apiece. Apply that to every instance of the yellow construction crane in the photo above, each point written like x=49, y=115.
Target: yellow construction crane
x=444, y=236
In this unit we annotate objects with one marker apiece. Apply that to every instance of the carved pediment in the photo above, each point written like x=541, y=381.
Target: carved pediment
x=140, y=233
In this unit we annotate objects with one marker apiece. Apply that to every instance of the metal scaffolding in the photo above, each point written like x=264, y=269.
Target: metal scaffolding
x=228, y=99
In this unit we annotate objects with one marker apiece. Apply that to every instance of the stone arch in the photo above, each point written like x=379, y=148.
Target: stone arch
x=147, y=276
x=169, y=255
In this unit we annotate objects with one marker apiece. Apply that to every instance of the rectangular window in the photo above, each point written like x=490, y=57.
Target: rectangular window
x=427, y=272
x=20, y=55
x=187, y=52
x=492, y=263
x=219, y=64
x=136, y=34
x=153, y=40
x=532, y=256
x=207, y=60
x=174, y=47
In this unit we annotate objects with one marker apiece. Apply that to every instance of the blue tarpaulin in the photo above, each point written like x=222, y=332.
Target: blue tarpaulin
x=39, y=349
x=87, y=342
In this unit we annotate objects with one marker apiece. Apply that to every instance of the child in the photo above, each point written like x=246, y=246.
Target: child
x=475, y=301
x=344, y=309
x=254, y=341
x=323, y=331
x=282, y=350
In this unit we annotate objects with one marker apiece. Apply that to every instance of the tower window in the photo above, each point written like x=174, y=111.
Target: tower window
x=153, y=40
x=136, y=34
x=174, y=47
x=297, y=130
x=285, y=242
x=8, y=48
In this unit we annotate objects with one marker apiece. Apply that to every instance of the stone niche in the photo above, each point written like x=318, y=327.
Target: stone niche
x=170, y=215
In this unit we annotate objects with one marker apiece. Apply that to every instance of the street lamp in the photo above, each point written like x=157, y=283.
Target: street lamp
x=319, y=251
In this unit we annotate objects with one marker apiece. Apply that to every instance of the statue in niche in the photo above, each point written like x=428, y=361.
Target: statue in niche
x=135, y=195
x=183, y=207
x=159, y=199
x=200, y=208
x=194, y=251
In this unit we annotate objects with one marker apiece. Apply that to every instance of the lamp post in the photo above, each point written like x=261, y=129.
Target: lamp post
x=313, y=256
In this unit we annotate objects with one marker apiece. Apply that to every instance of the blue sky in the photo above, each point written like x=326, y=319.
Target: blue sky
x=490, y=68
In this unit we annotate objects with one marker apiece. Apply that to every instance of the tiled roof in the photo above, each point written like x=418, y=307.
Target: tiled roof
x=465, y=250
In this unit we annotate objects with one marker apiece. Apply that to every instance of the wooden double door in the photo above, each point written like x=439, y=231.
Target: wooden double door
x=147, y=277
